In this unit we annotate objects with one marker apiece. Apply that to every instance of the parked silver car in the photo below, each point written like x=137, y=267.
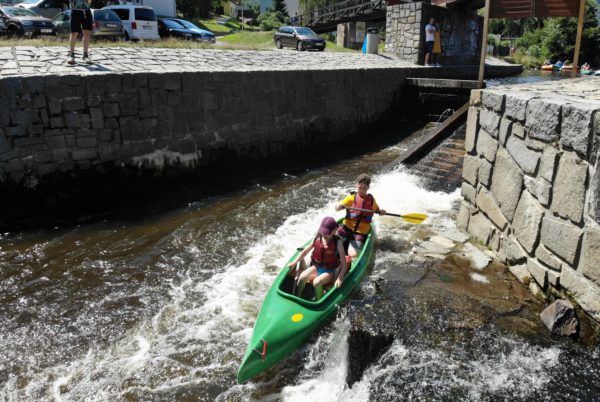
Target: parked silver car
x=107, y=24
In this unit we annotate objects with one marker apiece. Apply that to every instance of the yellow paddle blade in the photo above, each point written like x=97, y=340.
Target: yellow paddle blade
x=414, y=218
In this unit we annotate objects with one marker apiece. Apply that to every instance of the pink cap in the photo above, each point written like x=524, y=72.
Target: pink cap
x=328, y=225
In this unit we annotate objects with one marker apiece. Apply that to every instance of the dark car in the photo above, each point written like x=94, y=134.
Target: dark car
x=182, y=29
x=22, y=22
x=2, y=25
x=107, y=24
x=301, y=38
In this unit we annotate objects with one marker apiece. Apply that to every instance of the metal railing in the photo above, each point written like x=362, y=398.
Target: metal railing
x=340, y=11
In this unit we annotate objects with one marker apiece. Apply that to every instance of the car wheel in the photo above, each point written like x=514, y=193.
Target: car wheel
x=14, y=33
x=278, y=44
x=299, y=46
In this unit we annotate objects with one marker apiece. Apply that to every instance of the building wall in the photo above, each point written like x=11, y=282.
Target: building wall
x=532, y=184
x=460, y=33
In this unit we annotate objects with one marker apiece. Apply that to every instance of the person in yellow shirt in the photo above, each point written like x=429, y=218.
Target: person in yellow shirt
x=357, y=224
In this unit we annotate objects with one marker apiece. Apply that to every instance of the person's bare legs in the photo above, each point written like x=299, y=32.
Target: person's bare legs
x=86, y=40
x=72, y=41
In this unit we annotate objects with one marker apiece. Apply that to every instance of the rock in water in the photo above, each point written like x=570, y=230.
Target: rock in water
x=560, y=319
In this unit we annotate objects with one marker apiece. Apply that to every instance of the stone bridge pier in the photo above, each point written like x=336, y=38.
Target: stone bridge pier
x=460, y=33
x=532, y=184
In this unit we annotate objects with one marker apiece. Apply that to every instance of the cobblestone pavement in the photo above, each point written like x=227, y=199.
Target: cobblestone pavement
x=26, y=60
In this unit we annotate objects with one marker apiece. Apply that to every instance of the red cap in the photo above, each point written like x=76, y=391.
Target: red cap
x=328, y=225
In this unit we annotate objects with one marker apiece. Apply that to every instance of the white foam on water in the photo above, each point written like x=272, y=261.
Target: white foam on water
x=200, y=335
x=518, y=373
x=331, y=380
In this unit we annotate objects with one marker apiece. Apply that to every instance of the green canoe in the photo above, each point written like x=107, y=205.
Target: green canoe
x=285, y=321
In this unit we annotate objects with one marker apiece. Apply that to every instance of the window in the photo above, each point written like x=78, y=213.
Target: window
x=123, y=13
x=105, y=15
x=145, y=14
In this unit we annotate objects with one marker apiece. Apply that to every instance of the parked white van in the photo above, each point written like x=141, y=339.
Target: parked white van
x=139, y=21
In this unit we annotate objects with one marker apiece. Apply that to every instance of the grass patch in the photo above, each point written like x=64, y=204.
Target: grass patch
x=239, y=41
x=229, y=25
x=165, y=43
x=263, y=41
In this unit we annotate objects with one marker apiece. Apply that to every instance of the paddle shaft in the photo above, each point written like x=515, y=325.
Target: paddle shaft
x=375, y=212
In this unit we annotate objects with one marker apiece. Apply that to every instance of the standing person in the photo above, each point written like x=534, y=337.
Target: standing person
x=429, y=40
x=357, y=224
x=81, y=23
x=437, y=47
x=295, y=19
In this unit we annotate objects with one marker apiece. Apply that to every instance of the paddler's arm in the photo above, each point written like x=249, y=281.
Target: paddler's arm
x=345, y=203
x=343, y=265
x=377, y=209
x=302, y=255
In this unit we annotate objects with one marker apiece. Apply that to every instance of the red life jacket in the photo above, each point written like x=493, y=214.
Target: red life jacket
x=360, y=216
x=326, y=257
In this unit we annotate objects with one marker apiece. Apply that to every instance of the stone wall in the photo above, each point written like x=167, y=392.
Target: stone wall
x=532, y=185
x=460, y=33
x=152, y=121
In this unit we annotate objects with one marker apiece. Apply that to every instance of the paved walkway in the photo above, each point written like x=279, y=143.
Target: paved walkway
x=27, y=60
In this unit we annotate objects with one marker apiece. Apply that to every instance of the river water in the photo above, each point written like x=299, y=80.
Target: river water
x=162, y=307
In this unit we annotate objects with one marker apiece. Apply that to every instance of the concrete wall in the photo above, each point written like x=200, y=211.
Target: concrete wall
x=532, y=185
x=460, y=33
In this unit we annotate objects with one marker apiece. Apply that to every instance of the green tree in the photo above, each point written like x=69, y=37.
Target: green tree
x=279, y=6
x=194, y=8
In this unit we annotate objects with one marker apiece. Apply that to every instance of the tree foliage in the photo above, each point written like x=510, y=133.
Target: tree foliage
x=554, y=38
x=271, y=20
x=194, y=8
x=279, y=6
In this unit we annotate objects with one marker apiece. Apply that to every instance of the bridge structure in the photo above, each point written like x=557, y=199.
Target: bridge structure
x=327, y=18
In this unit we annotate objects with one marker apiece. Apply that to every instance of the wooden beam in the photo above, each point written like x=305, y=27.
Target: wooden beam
x=436, y=135
x=486, y=26
x=578, y=40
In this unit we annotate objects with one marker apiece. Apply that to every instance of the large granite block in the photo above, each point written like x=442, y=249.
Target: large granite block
x=527, y=220
x=516, y=104
x=493, y=101
x=472, y=127
x=590, y=254
x=585, y=292
x=561, y=237
x=526, y=158
x=487, y=204
x=568, y=193
x=486, y=145
x=490, y=121
x=470, y=168
x=538, y=272
x=543, y=119
x=507, y=182
x=576, y=126
x=480, y=227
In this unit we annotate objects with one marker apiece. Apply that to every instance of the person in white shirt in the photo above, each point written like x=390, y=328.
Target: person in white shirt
x=429, y=39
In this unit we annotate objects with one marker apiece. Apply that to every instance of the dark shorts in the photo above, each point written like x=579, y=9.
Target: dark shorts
x=429, y=47
x=356, y=240
x=81, y=20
